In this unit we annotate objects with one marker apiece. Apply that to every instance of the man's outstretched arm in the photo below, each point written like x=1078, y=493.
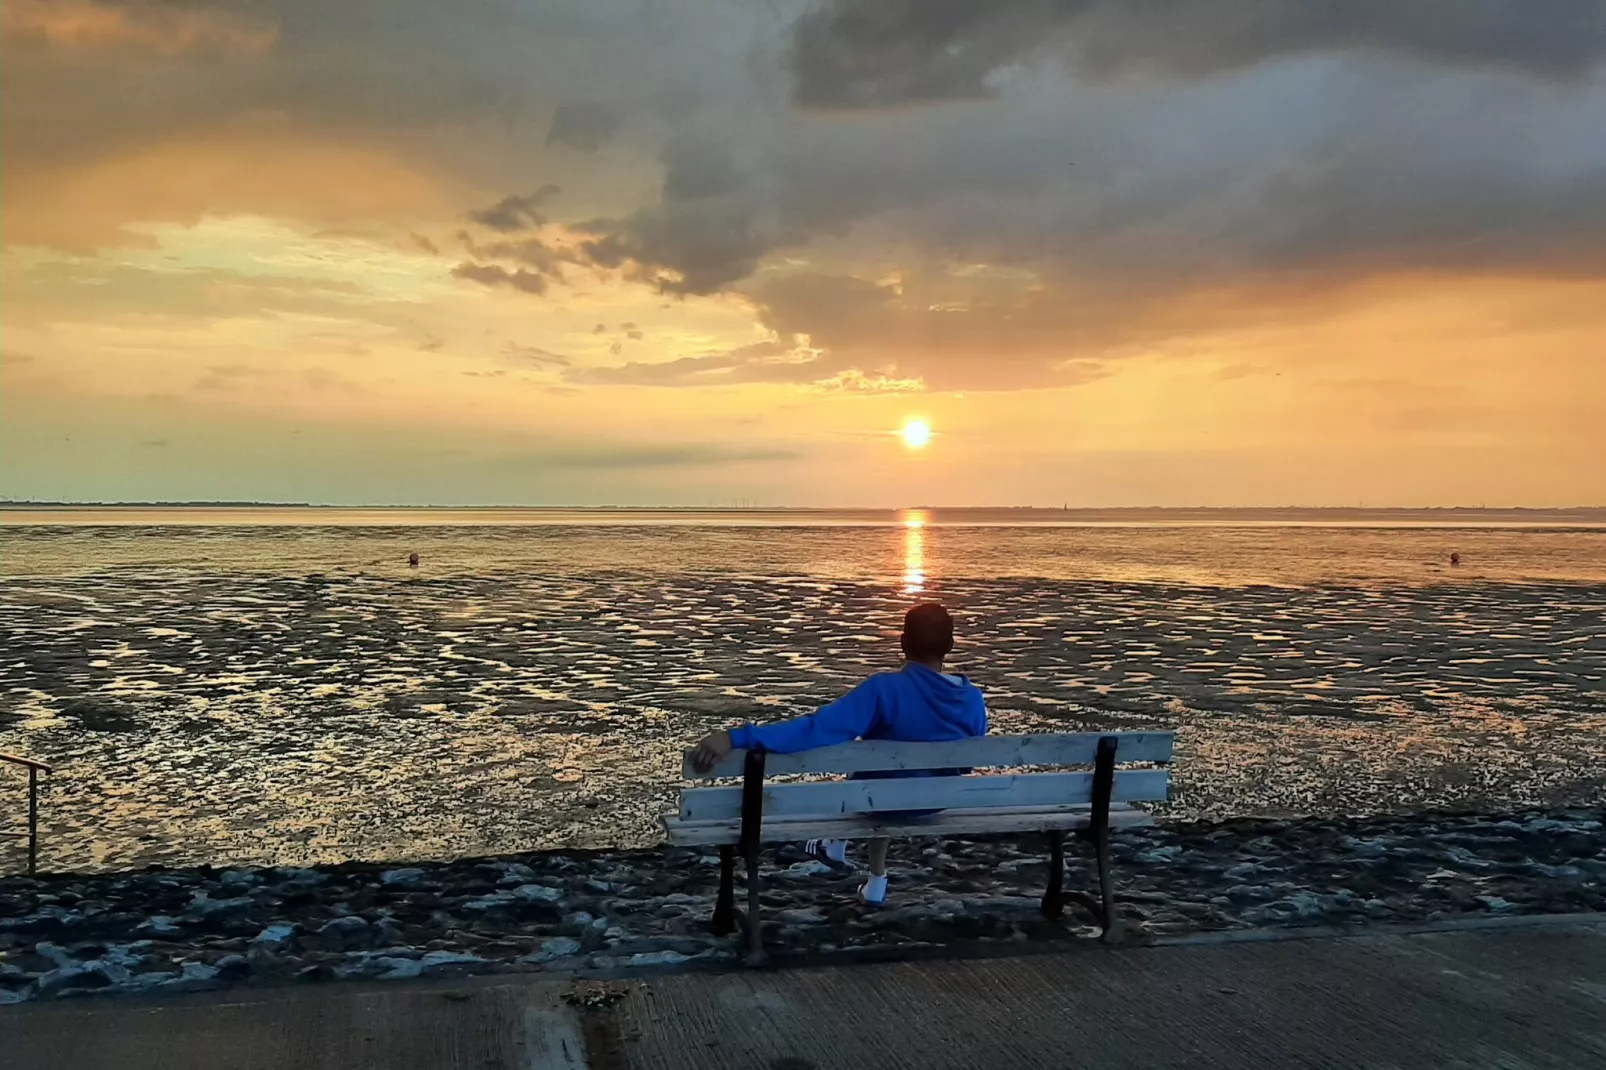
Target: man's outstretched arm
x=848, y=718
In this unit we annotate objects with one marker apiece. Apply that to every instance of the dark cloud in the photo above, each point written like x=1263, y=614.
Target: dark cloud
x=514, y=212
x=696, y=167
x=528, y=282
x=888, y=52
x=878, y=53
x=707, y=231
x=1108, y=195
x=425, y=244
x=529, y=252
x=700, y=246
x=1336, y=173
x=586, y=127
x=1188, y=210
x=529, y=261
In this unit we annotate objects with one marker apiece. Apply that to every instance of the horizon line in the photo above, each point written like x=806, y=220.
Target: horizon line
x=751, y=508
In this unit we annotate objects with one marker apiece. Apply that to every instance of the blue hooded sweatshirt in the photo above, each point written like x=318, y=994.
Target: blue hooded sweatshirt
x=915, y=705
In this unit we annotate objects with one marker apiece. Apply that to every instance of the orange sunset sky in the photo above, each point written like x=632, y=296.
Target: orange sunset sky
x=1114, y=252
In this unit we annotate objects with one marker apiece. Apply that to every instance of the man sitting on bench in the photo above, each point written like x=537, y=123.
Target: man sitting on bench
x=920, y=704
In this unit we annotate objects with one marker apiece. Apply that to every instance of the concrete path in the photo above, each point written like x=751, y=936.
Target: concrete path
x=1521, y=996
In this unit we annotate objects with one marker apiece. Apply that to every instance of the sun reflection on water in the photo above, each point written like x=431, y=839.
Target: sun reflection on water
x=914, y=553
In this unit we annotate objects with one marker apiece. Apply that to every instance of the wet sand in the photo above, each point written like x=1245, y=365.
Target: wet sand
x=203, y=715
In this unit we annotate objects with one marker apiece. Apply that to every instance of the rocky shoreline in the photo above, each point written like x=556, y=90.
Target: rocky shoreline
x=160, y=930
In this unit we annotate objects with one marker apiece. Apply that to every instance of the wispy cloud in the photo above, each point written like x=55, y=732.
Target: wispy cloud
x=161, y=26
x=603, y=456
x=514, y=212
x=760, y=362
x=534, y=356
x=227, y=376
x=495, y=275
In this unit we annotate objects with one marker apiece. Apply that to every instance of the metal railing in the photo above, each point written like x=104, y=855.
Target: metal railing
x=32, y=834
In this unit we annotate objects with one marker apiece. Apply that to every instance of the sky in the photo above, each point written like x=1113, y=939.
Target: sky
x=1111, y=252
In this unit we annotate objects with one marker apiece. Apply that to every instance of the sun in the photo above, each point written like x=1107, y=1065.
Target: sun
x=915, y=434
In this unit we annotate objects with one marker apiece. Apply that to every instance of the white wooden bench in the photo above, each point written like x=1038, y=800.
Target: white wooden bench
x=1088, y=802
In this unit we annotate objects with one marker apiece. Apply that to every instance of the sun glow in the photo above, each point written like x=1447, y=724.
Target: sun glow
x=915, y=434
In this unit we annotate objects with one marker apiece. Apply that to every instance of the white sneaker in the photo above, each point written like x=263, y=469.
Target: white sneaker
x=873, y=892
x=833, y=853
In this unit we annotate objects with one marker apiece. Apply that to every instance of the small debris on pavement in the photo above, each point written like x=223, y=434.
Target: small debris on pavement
x=589, y=995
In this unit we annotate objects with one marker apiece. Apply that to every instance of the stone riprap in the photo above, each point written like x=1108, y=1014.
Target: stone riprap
x=177, y=929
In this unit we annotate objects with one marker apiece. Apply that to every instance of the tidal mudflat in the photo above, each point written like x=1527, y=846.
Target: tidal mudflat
x=246, y=717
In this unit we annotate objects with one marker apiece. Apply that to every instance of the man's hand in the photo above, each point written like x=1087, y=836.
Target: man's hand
x=710, y=751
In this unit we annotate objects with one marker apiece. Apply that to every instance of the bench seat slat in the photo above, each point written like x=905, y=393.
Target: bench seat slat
x=837, y=797
x=993, y=819
x=1066, y=748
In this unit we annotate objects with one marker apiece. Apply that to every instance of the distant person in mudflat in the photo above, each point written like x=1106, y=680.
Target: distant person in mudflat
x=919, y=704
x=412, y=559
x=1455, y=560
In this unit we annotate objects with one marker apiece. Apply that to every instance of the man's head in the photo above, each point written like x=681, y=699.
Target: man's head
x=928, y=633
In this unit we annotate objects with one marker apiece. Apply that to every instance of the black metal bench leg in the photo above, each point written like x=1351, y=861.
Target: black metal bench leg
x=752, y=835
x=755, y=930
x=724, y=920
x=1113, y=931
x=1099, y=828
x=1054, y=898
x=33, y=821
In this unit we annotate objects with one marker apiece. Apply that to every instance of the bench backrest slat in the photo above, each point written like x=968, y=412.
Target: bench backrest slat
x=1073, y=748
x=837, y=797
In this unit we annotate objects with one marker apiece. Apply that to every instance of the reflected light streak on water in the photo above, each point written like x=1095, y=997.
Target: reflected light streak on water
x=914, y=553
